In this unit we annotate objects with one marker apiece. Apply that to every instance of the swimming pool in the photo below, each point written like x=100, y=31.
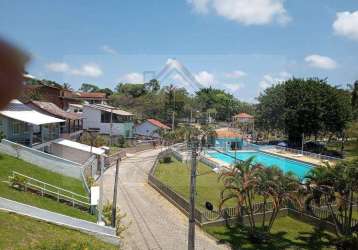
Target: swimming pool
x=300, y=169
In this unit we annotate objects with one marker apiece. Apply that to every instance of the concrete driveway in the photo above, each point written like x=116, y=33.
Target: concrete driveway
x=154, y=222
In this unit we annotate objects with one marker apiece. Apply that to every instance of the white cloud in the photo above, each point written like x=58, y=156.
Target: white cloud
x=133, y=77
x=205, y=78
x=235, y=74
x=270, y=80
x=247, y=12
x=322, y=62
x=109, y=50
x=346, y=24
x=90, y=70
x=234, y=87
x=200, y=6
x=59, y=67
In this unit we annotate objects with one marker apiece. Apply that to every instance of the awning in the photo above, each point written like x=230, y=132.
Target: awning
x=19, y=111
x=80, y=146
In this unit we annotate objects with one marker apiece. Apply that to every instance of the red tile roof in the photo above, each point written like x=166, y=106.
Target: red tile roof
x=158, y=124
x=243, y=115
x=227, y=133
x=91, y=94
x=84, y=95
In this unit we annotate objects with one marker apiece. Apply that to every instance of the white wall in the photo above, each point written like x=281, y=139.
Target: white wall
x=69, y=153
x=41, y=159
x=92, y=119
x=146, y=129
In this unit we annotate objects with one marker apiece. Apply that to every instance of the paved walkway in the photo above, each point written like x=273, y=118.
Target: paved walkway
x=155, y=222
x=298, y=157
x=105, y=233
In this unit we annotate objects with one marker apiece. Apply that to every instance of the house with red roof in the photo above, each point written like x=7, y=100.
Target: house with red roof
x=150, y=128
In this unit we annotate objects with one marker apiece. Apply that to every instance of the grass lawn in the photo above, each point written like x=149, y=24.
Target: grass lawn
x=287, y=233
x=350, y=148
x=9, y=164
x=21, y=232
x=176, y=175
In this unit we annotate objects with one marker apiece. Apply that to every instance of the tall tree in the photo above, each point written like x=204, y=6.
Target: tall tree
x=310, y=106
x=88, y=87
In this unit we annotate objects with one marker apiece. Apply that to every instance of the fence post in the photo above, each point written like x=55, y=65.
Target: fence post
x=58, y=195
x=43, y=190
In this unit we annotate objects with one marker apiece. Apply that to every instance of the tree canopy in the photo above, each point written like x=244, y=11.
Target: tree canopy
x=310, y=106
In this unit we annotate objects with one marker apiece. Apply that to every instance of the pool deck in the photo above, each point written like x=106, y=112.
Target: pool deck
x=302, y=158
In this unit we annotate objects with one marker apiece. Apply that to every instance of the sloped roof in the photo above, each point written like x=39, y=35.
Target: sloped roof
x=91, y=94
x=80, y=146
x=244, y=115
x=19, y=111
x=109, y=109
x=158, y=124
x=227, y=133
x=53, y=109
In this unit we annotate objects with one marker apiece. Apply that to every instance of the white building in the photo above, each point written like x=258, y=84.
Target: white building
x=150, y=128
x=108, y=120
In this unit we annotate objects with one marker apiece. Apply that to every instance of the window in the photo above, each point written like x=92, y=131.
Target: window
x=106, y=118
x=17, y=127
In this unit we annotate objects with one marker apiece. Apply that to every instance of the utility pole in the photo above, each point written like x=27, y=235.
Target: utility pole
x=114, y=204
x=111, y=127
x=191, y=235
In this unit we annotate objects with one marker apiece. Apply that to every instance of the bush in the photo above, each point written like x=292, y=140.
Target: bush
x=98, y=141
x=107, y=217
x=166, y=159
x=90, y=181
x=18, y=182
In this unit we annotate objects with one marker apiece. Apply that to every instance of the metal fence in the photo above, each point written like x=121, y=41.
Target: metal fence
x=322, y=214
x=46, y=189
x=306, y=153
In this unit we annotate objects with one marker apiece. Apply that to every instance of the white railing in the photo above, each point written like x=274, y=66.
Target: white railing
x=47, y=189
x=306, y=153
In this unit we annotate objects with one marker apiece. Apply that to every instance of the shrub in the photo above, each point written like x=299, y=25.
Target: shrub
x=107, y=217
x=98, y=140
x=90, y=181
x=167, y=159
x=18, y=182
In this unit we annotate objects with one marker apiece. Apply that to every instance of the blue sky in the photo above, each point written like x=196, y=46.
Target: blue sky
x=242, y=46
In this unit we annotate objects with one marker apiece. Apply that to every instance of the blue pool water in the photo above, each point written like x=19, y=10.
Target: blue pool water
x=298, y=168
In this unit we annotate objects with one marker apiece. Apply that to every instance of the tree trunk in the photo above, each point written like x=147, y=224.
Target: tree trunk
x=264, y=214
x=342, y=145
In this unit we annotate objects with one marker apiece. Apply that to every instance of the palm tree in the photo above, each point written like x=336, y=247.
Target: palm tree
x=265, y=188
x=335, y=186
x=239, y=185
x=284, y=188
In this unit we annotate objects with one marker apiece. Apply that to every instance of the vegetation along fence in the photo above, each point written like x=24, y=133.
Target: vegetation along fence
x=314, y=215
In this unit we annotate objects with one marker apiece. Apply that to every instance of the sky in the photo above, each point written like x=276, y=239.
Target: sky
x=242, y=46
